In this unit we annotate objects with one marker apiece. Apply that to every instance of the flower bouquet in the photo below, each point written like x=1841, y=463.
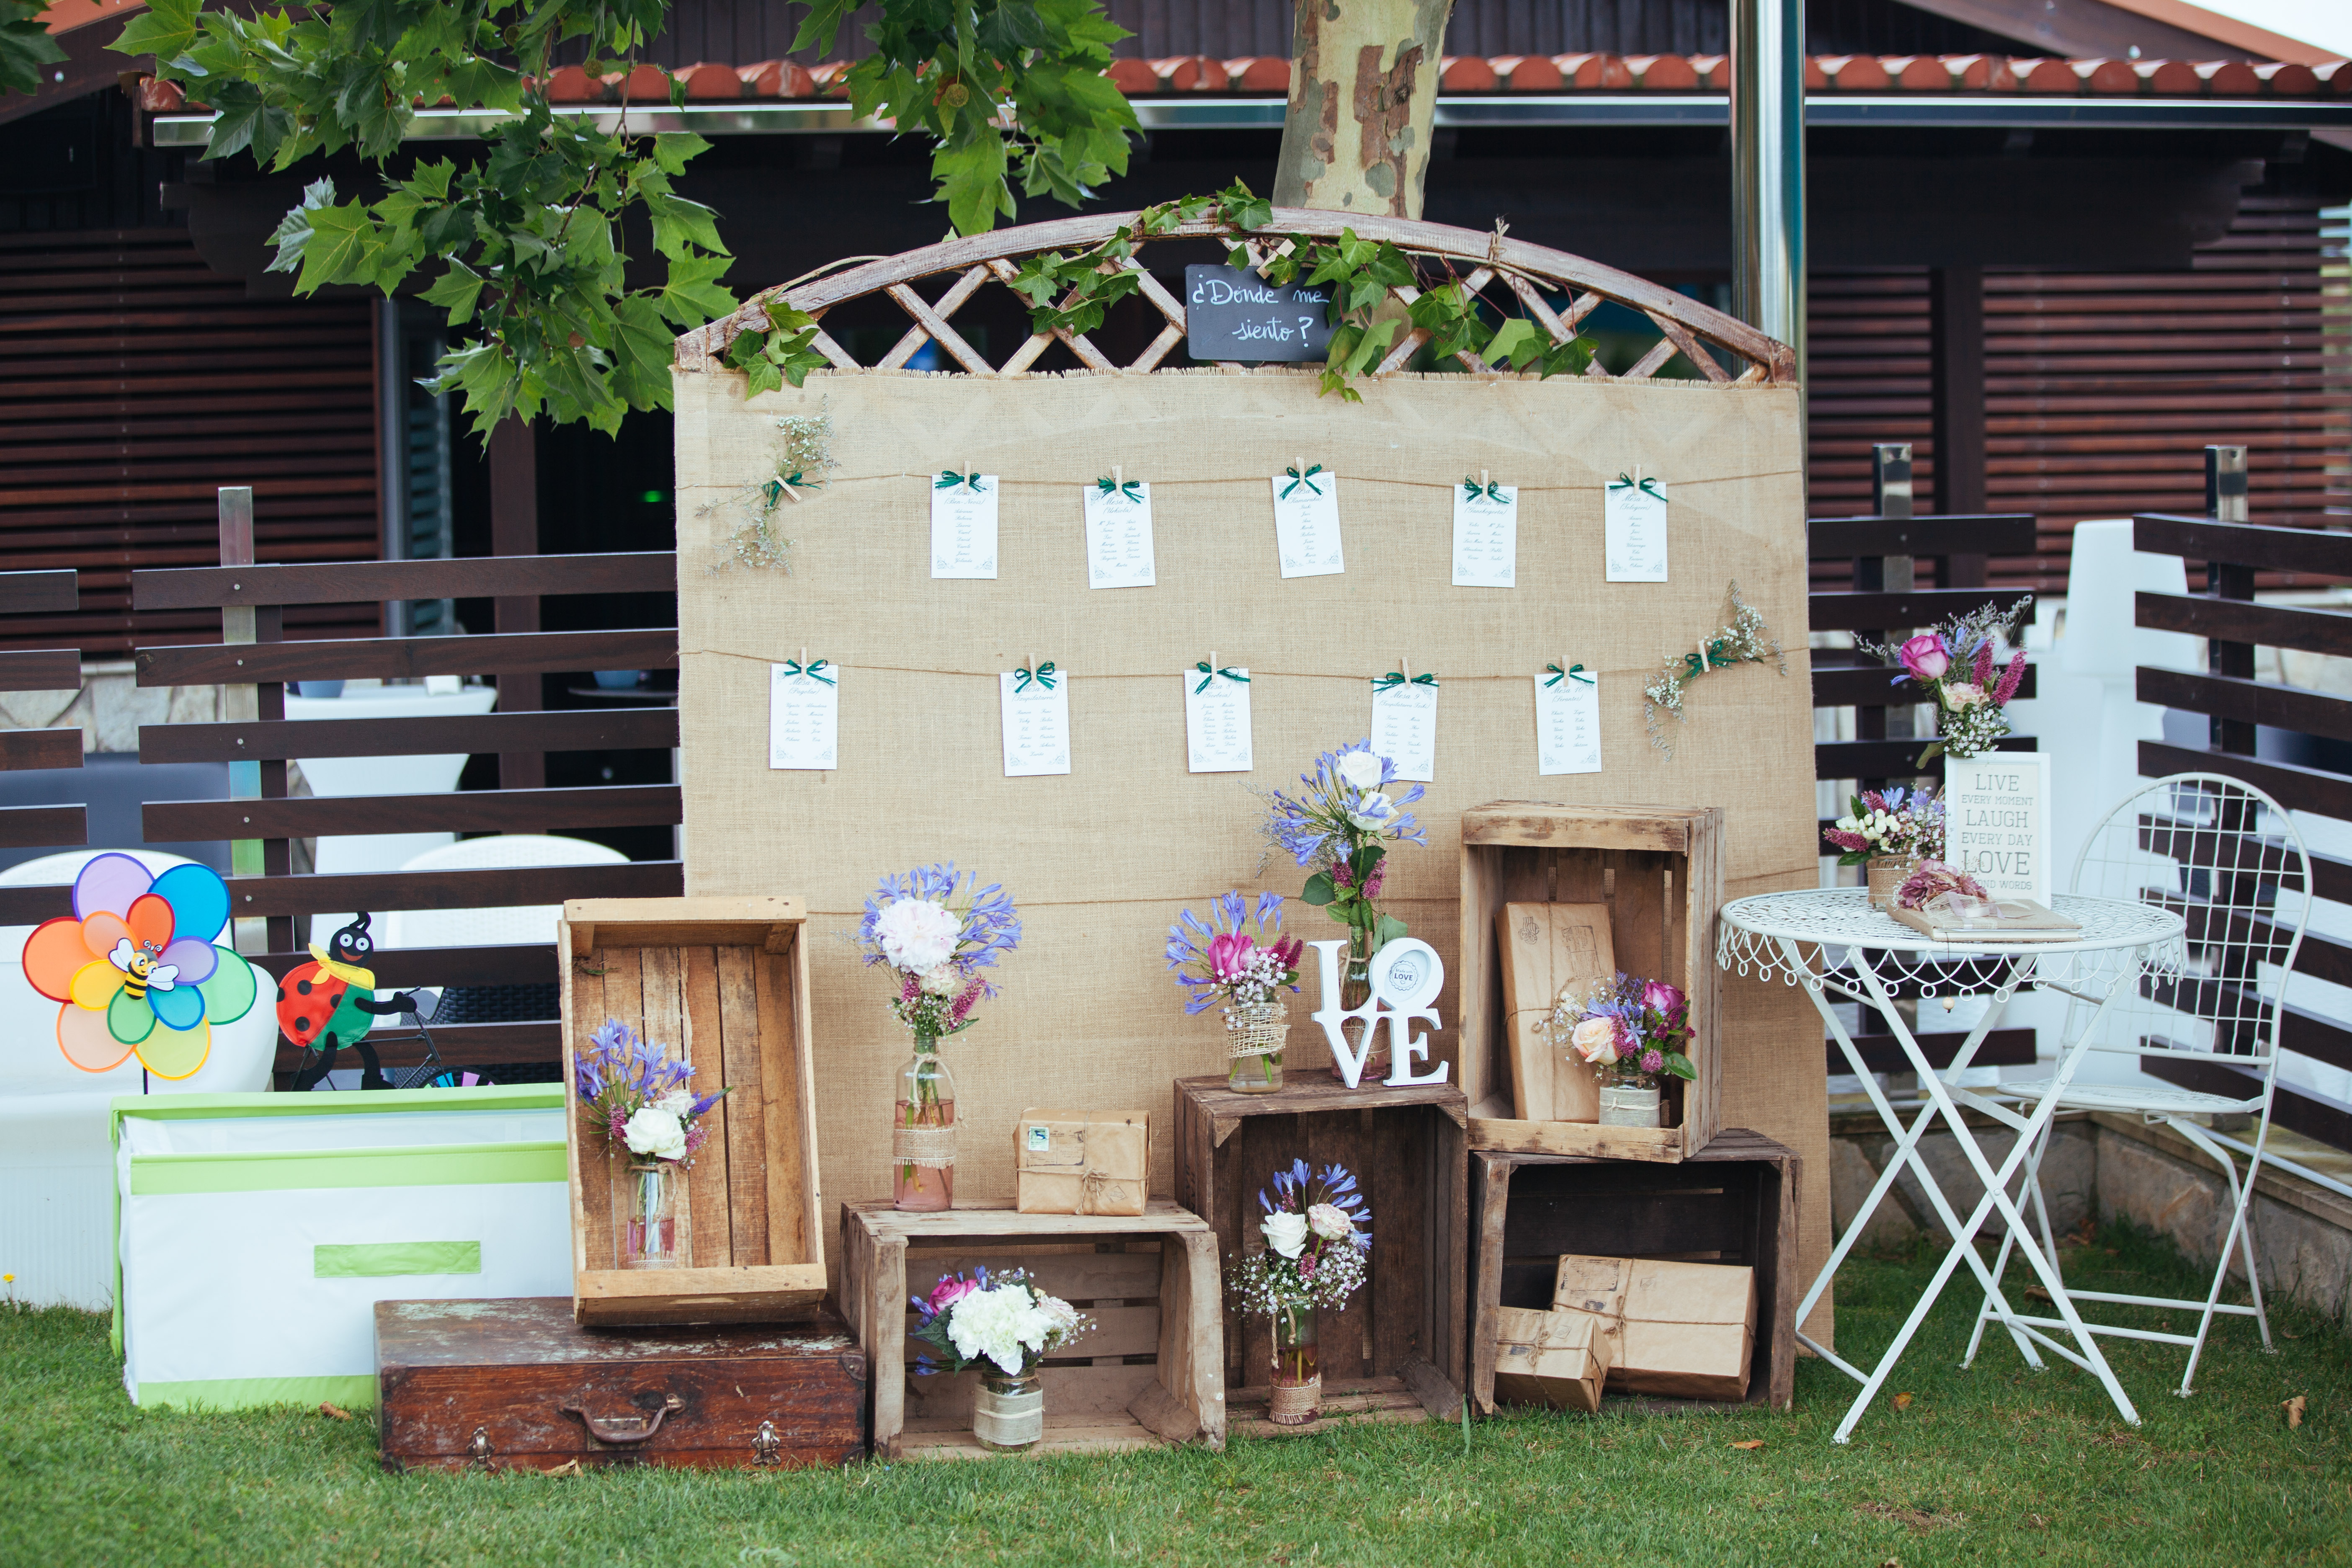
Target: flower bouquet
x=1890, y=831
x=1217, y=959
x=1319, y=1240
x=637, y=1099
x=1002, y=1323
x=1955, y=661
x=1339, y=828
x=1630, y=1032
x=935, y=930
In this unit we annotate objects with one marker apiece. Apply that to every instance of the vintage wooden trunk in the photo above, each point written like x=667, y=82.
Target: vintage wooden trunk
x=1733, y=1202
x=1396, y=1351
x=517, y=1385
x=723, y=983
x=1149, y=1374
x=1659, y=869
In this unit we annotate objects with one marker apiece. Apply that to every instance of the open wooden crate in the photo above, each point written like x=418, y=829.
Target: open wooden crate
x=722, y=984
x=1660, y=871
x=1150, y=1374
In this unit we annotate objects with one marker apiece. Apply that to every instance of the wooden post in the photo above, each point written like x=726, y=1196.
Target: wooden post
x=1957, y=359
x=514, y=530
x=2225, y=501
x=253, y=779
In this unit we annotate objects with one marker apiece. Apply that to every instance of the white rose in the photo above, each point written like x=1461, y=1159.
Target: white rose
x=1373, y=811
x=942, y=981
x=1960, y=694
x=1358, y=770
x=678, y=1102
x=918, y=934
x=1330, y=1221
x=657, y=1131
x=1285, y=1232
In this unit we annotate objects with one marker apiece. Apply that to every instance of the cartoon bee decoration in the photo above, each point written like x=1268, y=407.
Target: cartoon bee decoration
x=140, y=970
x=329, y=1002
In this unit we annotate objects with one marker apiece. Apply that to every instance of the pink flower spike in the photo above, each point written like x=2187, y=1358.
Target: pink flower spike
x=1852, y=843
x=1984, y=662
x=1372, y=884
x=2008, y=681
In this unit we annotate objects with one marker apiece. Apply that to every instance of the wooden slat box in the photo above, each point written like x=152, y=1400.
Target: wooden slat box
x=1147, y=1376
x=1398, y=1344
x=1733, y=1202
x=517, y=1385
x=1660, y=871
x=723, y=983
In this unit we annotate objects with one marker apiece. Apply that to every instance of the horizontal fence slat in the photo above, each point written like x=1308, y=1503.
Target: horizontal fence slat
x=2311, y=550
x=588, y=729
x=22, y=750
x=1991, y=534
x=399, y=968
x=1882, y=1053
x=351, y=581
x=2331, y=877
x=2209, y=923
x=41, y=670
x=495, y=887
x=467, y=811
x=458, y=1045
x=1872, y=686
x=29, y=593
x=2295, y=787
x=1920, y=607
x=2268, y=702
x=1889, y=758
x=44, y=826
x=394, y=658
x=2236, y=620
x=2296, y=1110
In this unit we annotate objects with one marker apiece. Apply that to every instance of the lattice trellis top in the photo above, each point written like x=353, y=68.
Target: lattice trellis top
x=1532, y=273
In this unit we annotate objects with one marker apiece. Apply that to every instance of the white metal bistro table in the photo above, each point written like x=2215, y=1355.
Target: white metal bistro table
x=1833, y=943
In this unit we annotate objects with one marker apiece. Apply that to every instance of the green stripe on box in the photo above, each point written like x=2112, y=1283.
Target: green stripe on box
x=253, y=1393
x=273, y=1171
x=378, y=1259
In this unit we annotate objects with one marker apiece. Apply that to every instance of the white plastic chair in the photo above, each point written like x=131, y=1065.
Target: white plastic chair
x=2227, y=857
x=491, y=927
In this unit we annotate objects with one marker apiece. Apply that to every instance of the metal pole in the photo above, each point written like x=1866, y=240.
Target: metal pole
x=1768, y=169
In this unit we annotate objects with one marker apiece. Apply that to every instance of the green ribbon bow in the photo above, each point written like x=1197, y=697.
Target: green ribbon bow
x=773, y=490
x=1132, y=489
x=1395, y=677
x=1043, y=675
x=1472, y=490
x=1574, y=671
x=815, y=670
x=1306, y=479
x=1207, y=675
x=949, y=479
x=1718, y=657
x=1649, y=485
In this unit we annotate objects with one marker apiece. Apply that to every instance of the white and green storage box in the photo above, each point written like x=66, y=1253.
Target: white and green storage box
x=255, y=1232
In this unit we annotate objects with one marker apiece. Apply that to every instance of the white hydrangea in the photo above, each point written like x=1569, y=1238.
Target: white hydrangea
x=918, y=934
x=1003, y=1324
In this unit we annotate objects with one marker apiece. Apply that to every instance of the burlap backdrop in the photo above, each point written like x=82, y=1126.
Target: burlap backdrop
x=1101, y=861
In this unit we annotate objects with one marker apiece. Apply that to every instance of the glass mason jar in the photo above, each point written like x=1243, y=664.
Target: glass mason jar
x=648, y=1214
x=1297, y=1397
x=1255, y=1034
x=1008, y=1413
x=1628, y=1100
x=1355, y=990
x=922, y=1131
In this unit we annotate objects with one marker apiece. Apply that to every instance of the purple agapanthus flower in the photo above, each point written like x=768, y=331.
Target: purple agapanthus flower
x=1332, y=816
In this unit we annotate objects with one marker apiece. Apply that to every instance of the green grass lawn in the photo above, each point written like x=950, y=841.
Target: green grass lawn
x=1994, y=1465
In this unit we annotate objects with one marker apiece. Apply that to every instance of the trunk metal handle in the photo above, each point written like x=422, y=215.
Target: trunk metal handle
x=626, y=1429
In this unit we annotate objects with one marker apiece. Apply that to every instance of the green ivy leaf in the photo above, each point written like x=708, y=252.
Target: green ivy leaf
x=1515, y=342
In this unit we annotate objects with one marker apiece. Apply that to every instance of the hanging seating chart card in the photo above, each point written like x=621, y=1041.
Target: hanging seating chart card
x=1404, y=726
x=804, y=715
x=1306, y=521
x=1118, y=535
x=1217, y=721
x=1035, y=706
x=963, y=524
x=1485, y=535
x=1568, y=723
x=1634, y=525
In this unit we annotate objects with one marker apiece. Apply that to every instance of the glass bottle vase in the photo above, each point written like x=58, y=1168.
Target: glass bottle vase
x=647, y=1210
x=1008, y=1413
x=922, y=1133
x=1255, y=1034
x=1298, y=1396
x=1355, y=990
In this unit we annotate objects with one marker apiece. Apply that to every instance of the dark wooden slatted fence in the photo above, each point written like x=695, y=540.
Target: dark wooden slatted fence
x=45, y=670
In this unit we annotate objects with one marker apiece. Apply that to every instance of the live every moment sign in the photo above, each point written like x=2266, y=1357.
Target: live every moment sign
x=1994, y=823
x=1231, y=313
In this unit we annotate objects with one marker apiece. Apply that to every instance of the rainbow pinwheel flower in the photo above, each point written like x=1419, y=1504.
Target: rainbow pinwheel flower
x=136, y=954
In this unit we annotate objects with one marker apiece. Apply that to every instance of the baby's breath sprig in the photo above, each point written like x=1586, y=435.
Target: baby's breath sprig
x=1744, y=639
x=801, y=464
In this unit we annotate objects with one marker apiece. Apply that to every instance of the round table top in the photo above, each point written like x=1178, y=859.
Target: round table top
x=2130, y=935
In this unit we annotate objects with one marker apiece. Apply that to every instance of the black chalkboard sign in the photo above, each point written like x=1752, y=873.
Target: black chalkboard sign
x=1231, y=313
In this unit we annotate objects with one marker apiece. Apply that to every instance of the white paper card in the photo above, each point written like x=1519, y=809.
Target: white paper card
x=1119, y=537
x=1568, y=725
x=803, y=720
x=1404, y=729
x=1036, y=724
x=1634, y=530
x=963, y=528
x=1217, y=723
x=1307, y=524
x=1995, y=825
x=1486, y=538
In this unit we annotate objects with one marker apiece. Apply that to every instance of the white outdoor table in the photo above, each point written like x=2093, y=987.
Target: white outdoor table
x=1832, y=942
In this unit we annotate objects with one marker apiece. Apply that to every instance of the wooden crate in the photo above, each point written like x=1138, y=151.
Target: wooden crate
x=1660, y=871
x=1733, y=1202
x=1397, y=1348
x=517, y=1385
x=721, y=982
x=1147, y=1376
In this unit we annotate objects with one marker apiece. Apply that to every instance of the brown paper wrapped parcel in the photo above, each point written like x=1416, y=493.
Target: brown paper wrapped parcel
x=1558, y=1359
x=1683, y=1330
x=1083, y=1161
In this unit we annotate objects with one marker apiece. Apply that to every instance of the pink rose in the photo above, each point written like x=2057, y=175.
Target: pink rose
x=1595, y=1040
x=1925, y=657
x=1663, y=997
x=951, y=1287
x=1960, y=694
x=1229, y=955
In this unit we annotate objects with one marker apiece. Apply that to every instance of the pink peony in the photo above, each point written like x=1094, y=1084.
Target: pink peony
x=1230, y=954
x=950, y=1288
x=1925, y=657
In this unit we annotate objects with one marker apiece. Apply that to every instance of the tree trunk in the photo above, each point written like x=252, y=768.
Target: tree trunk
x=1363, y=101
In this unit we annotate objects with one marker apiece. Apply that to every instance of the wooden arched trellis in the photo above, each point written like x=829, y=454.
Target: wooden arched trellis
x=1531, y=272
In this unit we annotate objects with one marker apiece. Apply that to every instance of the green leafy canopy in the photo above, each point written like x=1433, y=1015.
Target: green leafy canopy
x=24, y=46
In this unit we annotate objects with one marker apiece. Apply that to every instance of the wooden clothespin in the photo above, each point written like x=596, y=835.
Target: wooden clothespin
x=1118, y=476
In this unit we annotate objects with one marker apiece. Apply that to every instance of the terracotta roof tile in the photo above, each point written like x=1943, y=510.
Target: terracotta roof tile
x=1260, y=73
x=2109, y=77
x=1192, y=73
x=705, y=80
x=1467, y=73
x=1664, y=73
x=1530, y=73
x=2230, y=79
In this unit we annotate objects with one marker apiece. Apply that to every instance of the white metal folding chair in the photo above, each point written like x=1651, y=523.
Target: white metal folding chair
x=2228, y=859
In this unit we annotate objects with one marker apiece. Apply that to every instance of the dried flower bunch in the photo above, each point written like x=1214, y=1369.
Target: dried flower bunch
x=1933, y=881
x=1001, y=1318
x=936, y=931
x=1626, y=1030
x=1318, y=1237
x=637, y=1097
x=1743, y=639
x=1956, y=662
x=805, y=457
x=1891, y=821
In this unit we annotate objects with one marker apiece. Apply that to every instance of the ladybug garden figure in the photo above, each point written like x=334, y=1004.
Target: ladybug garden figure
x=329, y=1002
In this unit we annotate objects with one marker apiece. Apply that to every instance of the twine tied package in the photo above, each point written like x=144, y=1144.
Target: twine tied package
x=1083, y=1161
x=1683, y=1330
